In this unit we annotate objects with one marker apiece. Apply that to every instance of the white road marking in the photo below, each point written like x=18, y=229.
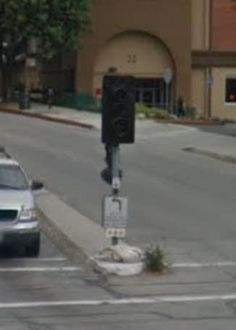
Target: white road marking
x=74, y=269
x=38, y=269
x=50, y=259
x=205, y=264
x=129, y=301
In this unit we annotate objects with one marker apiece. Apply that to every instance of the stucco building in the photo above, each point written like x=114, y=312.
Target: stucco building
x=214, y=57
x=195, y=40
x=143, y=38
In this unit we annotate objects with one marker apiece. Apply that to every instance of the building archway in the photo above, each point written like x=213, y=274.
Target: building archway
x=143, y=56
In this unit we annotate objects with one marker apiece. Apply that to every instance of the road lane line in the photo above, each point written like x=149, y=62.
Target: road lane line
x=128, y=301
x=49, y=259
x=38, y=269
x=74, y=269
x=205, y=264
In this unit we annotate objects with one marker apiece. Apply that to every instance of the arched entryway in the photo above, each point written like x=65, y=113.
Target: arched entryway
x=143, y=56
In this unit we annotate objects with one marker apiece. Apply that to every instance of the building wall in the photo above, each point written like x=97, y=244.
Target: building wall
x=220, y=108
x=133, y=53
x=200, y=42
x=224, y=25
x=224, y=41
x=156, y=18
x=214, y=38
x=222, y=21
x=199, y=91
x=200, y=24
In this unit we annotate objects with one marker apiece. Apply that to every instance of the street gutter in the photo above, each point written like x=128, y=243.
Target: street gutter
x=192, y=122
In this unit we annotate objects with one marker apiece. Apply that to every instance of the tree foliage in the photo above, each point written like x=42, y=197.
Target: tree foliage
x=55, y=24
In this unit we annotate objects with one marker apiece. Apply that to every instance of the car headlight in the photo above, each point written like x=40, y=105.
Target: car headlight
x=27, y=214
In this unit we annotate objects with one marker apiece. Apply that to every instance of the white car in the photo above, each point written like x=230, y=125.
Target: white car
x=18, y=217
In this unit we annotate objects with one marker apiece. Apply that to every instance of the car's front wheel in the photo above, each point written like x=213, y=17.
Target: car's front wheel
x=32, y=248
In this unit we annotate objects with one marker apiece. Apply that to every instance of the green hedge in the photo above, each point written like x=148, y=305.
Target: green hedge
x=79, y=101
x=143, y=111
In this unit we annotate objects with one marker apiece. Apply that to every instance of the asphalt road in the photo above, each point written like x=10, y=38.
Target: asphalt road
x=183, y=200
x=51, y=293
x=48, y=279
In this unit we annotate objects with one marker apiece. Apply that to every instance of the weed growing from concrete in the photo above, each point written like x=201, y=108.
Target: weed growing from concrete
x=155, y=260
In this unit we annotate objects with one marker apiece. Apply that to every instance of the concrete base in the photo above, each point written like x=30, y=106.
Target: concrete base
x=117, y=268
x=121, y=260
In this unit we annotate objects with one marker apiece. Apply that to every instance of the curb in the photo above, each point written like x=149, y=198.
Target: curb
x=62, y=241
x=71, y=235
x=46, y=118
x=191, y=122
x=211, y=154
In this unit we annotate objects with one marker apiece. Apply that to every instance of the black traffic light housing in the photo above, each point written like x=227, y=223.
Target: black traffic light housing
x=118, y=109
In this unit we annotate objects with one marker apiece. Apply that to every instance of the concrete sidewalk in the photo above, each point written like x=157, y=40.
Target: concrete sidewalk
x=84, y=117
x=88, y=119
x=56, y=114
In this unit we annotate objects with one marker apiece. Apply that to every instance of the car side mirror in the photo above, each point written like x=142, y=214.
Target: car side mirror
x=37, y=185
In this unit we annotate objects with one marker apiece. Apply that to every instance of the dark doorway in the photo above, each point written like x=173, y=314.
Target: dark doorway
x=152, y=92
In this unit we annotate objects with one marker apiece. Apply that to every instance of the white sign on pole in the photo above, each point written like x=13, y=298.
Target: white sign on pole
x=168, y=76
x=115, y=212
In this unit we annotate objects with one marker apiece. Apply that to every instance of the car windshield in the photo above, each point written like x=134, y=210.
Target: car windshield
x=12, y=177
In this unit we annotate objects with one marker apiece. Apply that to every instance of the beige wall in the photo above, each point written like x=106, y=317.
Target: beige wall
x=199, y=91
x=133, y=53
x=167, y=20
x=219, y=107
x=200, y=24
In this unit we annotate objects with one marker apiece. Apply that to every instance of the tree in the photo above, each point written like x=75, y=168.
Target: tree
x=43, y=26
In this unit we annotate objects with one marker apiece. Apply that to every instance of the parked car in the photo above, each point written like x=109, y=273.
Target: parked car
x=18, y=217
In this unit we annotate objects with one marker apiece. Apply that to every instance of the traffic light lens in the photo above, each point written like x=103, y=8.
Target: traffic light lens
x=118, y=108
x=121, y=127
x=120, y=94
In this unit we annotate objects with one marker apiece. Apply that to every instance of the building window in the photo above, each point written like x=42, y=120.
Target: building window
x=230, y=90
x=152, y=92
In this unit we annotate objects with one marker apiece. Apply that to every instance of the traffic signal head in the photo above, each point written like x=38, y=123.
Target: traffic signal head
x=118, y=109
